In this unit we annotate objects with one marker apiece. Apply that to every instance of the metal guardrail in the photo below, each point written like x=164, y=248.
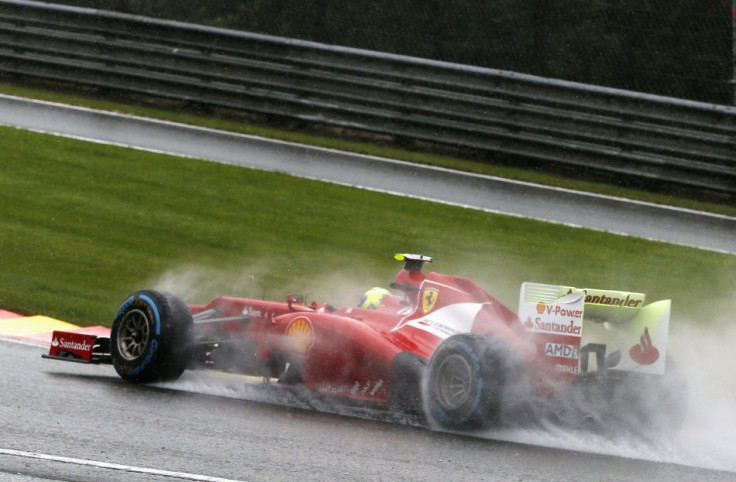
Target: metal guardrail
x=629, y=135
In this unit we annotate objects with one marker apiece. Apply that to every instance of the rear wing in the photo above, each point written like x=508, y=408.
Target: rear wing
x=585, y=330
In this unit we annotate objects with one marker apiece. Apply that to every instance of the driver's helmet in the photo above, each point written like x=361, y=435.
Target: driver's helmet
x=372, y=298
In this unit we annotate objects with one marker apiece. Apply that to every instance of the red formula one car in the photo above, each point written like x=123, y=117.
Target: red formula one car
x=441, y=347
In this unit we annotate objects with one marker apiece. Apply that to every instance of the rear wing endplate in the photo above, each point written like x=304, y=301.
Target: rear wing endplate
x=600, y=329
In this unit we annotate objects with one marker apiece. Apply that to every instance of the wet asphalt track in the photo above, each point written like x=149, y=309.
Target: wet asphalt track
x=67, y=421
x=74, y=422
x=644, y=220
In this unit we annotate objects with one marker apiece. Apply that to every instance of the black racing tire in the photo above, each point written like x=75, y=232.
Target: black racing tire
x=405, y=390
x=466, y=379
x=625, y=404
x=150, y=337
x=651, y=407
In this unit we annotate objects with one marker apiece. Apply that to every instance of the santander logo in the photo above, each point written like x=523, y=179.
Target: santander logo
x=645, y=353
x=71, y=345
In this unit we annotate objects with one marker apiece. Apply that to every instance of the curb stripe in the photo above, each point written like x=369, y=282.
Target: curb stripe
x=38, y=328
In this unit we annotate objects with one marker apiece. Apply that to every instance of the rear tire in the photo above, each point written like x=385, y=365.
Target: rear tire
x=149, y=340
x=466, y=381
x=650, y=407
x=623, y=404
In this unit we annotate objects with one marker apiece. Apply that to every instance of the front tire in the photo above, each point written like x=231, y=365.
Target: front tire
x=150, y=337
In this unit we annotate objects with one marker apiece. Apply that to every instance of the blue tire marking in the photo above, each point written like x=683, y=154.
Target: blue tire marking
x=440, y=412
x=123, y=307
x=147, y=360
x=155, y=312
x=476, y=366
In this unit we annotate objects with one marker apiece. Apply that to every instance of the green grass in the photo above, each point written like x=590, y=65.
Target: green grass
x=346, y=144
x=84, y=224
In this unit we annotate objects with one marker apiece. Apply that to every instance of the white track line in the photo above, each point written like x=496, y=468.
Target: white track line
x=109, y=466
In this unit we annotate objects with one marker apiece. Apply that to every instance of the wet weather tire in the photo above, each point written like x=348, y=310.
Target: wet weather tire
x=465, y=382
x=150, y=336
x=405, y=393
x=649, y=407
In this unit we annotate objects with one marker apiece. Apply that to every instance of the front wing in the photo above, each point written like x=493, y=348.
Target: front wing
x=79, y=347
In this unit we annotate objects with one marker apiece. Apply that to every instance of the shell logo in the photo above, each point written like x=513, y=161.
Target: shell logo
x=540, y=308
x=300, y=334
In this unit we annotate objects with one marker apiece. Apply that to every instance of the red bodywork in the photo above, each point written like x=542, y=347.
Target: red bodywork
x=443, y=348
x=350, y=352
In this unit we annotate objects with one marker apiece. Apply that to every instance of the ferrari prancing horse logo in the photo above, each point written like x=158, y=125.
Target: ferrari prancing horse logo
x=429, y=298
